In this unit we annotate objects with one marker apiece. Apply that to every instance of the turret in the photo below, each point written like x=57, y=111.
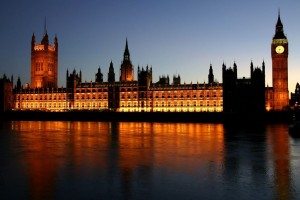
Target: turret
x=111, y=73
x=176, y=80
x=32, y=42
x=45, y=41
x=19, y=86
x=126, y=56
x=210, y=75
x=235, y=69
x=251, y=68
x=126, y=71
x=99, y=76
x=56, y=44
x=145, y=77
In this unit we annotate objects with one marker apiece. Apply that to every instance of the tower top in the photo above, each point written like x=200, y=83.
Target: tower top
x=126, y=58
x=45, y=26
x=126, y=52
x=279, y=34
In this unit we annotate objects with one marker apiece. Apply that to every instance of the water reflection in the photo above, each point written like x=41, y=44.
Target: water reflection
x=149, y=160
x=279, y=153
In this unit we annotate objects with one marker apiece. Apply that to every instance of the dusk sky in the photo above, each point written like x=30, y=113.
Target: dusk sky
x=173, y=36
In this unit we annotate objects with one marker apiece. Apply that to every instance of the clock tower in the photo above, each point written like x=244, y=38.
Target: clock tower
x=279, y=52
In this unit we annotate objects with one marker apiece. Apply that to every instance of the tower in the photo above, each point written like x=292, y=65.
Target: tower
x=210, y=75
x=44, y=63
x=145, y=77
x=126, y=67
x=99, y=76
x=279, y=52
x=111, y=73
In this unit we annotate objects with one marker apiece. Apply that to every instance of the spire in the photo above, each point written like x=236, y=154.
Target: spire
x=55, y=39
x=126, y=52
x=210, y=75
x=32, y=41
x=111, y=73
x=45, y=40
x=45, y=26
x=279, y=34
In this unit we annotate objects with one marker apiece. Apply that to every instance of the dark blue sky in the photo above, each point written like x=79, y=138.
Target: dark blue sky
x=173, y=36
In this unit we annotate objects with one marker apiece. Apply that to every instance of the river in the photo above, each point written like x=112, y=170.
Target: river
x=143, y=160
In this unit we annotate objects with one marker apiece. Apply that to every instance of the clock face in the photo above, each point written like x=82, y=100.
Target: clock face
x=279, y=49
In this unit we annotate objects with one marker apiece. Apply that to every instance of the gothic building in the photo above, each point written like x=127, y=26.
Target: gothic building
x=125, y=95
x=6, y=93
x=277, y=97
x=126, y=67
x=243, y=94
x=44, y=63
x=295, y=97
x=128, y=94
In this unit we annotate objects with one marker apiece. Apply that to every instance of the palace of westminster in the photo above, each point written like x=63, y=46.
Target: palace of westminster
x=142, y=95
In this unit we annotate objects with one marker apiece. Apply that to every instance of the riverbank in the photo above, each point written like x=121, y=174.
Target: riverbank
x=207, y=117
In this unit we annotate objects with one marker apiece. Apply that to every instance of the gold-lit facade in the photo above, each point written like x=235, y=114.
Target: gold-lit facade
x=183, y=98
x=44, y=63
x=279, y=52
x=141, y=94
x=125, y=95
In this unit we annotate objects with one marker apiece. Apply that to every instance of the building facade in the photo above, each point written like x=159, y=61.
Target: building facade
x=277, y=98
x=128, y=94
x=44, y=63
x=295, y=98
x=125, y=95
x=244, y=94
x=6, y=94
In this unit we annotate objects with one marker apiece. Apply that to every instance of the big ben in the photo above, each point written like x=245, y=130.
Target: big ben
x=279, y=51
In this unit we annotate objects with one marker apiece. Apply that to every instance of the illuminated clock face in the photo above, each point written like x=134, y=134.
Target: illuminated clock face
x=279, y=49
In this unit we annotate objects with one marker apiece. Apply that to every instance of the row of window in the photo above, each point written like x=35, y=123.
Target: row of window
x=41, y=105
x=59, y=105
x=85, y=90
x=92, y=105
x=181, y=104
x=31, y=97
x=89, y=97
x=39, y=66
x=175, y=96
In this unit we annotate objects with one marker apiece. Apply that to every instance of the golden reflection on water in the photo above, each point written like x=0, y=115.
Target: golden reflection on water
x=174, y=146
x=278, y=141
x=50, y=146
x=53, y=148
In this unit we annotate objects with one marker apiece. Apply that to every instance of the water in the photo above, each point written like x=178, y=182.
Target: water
x=103, y=160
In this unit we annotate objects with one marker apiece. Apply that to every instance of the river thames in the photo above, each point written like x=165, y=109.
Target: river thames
x=143, y=160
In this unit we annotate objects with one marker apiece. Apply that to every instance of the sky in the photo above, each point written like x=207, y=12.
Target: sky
x=172, y=36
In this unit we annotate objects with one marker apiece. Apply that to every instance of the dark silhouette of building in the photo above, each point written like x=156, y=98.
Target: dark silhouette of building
x=6, y=93
x=111, y=73
x=176, y=80
x=295, y=98
x=99, y=76
x=210, y=75
x=245, y=94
